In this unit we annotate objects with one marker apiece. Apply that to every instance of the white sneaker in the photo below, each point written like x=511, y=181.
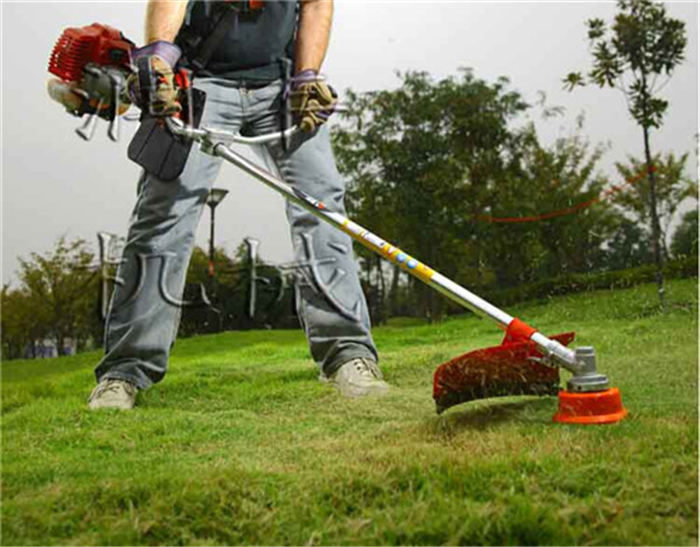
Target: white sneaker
x=113, y=394
x=359, y=377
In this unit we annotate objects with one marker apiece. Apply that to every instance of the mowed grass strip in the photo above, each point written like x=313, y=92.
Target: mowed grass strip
x=242, y=445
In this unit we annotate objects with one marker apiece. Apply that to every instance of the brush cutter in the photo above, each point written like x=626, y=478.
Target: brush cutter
x=93, y=60
x=526, y=363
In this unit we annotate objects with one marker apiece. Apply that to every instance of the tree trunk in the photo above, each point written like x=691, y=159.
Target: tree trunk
x=664, y=248
x=60, y=343
x=381, y=297
x=655, y=226
x=393, y=294
x=654, y=216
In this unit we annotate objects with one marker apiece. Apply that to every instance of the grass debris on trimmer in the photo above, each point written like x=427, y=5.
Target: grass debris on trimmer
x=513, y=368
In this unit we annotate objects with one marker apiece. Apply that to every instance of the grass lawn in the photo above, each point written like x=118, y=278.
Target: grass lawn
x=242, y=445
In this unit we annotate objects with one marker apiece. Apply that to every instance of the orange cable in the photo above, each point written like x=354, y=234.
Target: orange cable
x=569, y=210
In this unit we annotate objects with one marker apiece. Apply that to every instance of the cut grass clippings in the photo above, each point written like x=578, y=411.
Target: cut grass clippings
x=242, y=445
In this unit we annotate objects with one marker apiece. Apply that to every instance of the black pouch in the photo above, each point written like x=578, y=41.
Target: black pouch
x=157, y=150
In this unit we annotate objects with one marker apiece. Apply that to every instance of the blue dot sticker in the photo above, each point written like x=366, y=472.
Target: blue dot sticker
x=412, y=263
x=401, y=257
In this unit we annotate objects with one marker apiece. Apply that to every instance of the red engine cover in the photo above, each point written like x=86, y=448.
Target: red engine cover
x=96, y=43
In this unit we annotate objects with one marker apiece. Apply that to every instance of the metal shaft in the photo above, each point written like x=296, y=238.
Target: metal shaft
x=373, y=242
x=427, y=275
x=216, y=142
x=212, y=249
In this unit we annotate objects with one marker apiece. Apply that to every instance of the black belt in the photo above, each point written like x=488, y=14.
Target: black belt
x=243, y=84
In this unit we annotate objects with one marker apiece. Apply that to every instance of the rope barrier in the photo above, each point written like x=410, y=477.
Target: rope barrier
x=569, y=210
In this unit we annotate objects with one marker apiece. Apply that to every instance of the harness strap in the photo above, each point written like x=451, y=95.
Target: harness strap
x=228, y=20
x=145, y=78
x=285, y=70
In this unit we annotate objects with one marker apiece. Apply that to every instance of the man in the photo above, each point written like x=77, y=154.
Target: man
x=246, y=88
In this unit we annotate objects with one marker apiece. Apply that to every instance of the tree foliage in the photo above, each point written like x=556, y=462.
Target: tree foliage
x=637, y=55
x=424, y=156
x=430, y=162
x=552, y=186
x=673, y=188
x=21, y=323
x=685, y=238
x=57, y=298
x=628, y=247
x=223, y=303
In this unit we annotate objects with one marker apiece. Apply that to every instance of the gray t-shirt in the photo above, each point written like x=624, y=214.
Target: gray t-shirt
x=253, y=50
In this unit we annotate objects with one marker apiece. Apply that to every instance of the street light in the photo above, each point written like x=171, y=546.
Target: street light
x=216, y=196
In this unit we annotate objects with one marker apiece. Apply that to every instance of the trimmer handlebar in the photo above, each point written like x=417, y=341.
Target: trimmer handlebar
x=212, y=136
x=580, y=362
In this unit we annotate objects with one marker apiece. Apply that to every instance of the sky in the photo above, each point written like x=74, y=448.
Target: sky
x=54, y=184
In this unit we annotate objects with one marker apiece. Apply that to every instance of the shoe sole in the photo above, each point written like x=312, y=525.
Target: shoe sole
x=356, y=392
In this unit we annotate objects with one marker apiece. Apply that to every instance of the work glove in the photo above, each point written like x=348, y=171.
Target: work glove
x=152, y=87
x=312, y=100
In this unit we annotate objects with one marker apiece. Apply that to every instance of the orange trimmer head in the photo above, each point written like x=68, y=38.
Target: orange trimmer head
x=513, y=368
x=599, y=407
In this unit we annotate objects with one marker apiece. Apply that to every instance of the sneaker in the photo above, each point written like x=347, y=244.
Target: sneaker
x=359, y=377
x=113, y=394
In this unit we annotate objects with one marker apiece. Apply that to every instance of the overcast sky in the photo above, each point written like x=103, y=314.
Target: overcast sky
x=53, y=183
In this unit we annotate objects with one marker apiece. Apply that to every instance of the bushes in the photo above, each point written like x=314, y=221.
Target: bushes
x=574, y=283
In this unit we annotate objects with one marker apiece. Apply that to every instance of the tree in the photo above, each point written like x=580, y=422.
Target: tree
x=21, y=323
x=642, y=44
x=685, y=238
x=628, y=247
x=422, y=159
x=61, y=287
x=555, y=189
x=673, y=188
x=203, y=295
x=198, y=269
x=433, y=167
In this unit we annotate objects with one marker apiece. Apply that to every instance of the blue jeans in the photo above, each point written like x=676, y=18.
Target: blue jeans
x=144, y=314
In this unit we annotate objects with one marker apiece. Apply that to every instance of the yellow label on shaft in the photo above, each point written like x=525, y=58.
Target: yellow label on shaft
x=394, y=254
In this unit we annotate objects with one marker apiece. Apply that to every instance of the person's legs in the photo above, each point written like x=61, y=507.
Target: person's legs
x=331, y=305
x=144, y=313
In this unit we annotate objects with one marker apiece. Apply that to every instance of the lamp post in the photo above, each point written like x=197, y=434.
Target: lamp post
x=216, y=196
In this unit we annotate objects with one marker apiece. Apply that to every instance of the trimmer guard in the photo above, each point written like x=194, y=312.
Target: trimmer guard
x=509, y=369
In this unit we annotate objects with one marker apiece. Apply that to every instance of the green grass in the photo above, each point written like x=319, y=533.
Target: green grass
x=242, y=445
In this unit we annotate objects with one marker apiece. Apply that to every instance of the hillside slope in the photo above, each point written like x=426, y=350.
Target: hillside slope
x=242, y=445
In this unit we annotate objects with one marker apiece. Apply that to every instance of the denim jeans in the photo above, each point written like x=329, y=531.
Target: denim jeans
x=143, y=315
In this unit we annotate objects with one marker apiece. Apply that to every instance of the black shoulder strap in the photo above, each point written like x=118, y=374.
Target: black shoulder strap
x=145, y=78
x=200, y=58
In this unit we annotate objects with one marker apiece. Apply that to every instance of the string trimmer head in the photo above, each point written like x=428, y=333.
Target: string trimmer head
x=515, y=367
x=519, y=367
